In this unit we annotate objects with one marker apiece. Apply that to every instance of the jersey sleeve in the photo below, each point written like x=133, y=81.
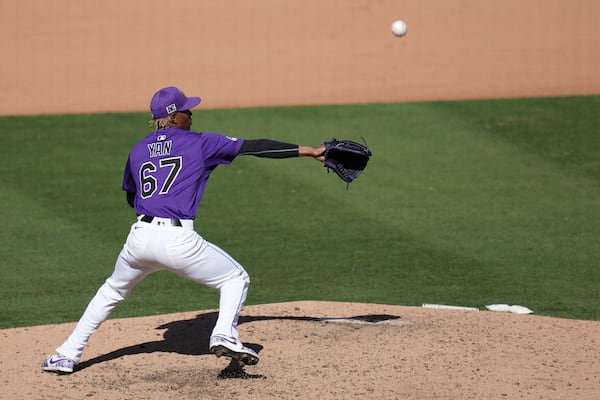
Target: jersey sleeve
x=220, y=149
x=128, y=179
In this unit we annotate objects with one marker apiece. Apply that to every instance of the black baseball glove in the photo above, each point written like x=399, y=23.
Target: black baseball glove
x=346, y=158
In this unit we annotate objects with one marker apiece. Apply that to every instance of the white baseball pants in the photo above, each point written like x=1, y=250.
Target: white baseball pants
x=159, y=246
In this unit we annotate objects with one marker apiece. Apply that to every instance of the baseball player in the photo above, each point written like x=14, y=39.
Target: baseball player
x=165, y=177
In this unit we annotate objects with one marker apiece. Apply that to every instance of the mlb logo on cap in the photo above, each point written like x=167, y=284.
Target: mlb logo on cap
x=171, y=108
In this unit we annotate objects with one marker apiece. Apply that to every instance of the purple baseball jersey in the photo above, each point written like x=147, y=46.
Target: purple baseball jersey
x=168, y=170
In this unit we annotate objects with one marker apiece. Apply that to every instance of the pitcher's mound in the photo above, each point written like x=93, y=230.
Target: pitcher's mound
x=318, y=350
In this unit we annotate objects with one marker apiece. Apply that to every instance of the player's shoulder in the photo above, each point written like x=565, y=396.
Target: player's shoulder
x=217, y=137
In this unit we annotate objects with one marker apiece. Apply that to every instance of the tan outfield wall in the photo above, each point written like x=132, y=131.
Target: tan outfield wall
x=95, y=56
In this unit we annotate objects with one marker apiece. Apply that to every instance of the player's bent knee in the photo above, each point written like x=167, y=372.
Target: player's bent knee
x=241, y=281
x=114, y=294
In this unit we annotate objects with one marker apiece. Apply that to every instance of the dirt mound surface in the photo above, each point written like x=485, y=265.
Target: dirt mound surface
x=318, y=350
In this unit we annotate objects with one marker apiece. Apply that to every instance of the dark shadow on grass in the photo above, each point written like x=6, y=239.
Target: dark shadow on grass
x=191, y=337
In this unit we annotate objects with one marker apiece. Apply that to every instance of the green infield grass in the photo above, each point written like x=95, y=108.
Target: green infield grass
x=464, y=203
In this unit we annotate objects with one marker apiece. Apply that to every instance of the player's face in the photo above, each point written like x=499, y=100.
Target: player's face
x=183, y=119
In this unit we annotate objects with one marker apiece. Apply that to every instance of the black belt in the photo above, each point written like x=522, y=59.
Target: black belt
x=150, y=218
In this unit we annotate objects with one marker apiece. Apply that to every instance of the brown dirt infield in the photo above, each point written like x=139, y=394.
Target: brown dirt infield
x=318, y=350
x=64, y=56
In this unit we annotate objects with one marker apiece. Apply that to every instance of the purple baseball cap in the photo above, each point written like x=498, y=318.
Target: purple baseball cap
x=169, y=100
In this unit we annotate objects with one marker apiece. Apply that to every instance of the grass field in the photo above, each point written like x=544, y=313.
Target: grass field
x=466, y=203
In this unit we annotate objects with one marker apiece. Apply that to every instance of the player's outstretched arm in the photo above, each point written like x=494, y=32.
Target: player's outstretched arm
x=274, y=149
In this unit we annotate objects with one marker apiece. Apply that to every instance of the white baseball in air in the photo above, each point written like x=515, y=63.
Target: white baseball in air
x=399, y=28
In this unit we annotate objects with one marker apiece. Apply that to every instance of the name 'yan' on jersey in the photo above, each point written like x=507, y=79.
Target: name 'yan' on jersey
x=168, y=170
x=159, y=148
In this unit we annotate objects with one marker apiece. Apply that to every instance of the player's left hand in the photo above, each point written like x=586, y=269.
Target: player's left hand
x=315, y=152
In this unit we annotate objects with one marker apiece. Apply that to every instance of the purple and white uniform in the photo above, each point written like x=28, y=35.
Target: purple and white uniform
x=168, y=171
x=165, y=177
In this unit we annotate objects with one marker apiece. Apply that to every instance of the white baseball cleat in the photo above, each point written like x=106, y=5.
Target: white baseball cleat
x=232, y=348
x=58, y=363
